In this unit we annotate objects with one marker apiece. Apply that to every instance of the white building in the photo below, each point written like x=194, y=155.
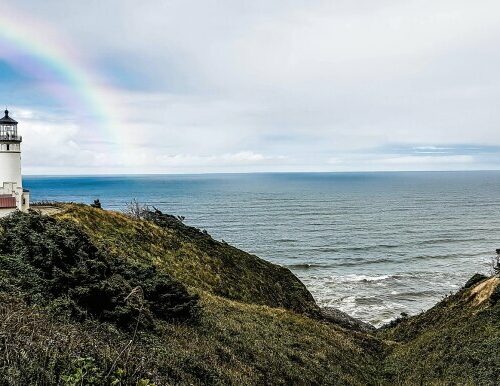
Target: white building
x=12, y=194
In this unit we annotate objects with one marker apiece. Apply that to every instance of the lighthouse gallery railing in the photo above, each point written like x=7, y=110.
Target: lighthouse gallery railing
x=10, y=137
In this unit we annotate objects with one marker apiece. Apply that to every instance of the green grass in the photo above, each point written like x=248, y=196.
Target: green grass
x=234, y=343
x=455, y=342
x=258, y=324
x=263, y=337
x=194, y=258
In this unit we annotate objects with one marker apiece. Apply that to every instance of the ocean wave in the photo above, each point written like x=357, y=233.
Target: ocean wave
x=360, y=261
x=353, y=278
x=371, y=310
x=408, y=295
x=305, y=266
x=341, y=263
x=357, y=248
x=446, y=240
x=388, y=246
x=452, y=255
x=285, y=241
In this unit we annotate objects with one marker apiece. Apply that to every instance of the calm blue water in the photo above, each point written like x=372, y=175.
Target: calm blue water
x=372, y=244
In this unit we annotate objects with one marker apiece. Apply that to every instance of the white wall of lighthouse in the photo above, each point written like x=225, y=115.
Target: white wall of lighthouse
x=10, y=163
x=12, y=194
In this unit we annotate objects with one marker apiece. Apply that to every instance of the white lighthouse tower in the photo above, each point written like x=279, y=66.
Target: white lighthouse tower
x=12, y=194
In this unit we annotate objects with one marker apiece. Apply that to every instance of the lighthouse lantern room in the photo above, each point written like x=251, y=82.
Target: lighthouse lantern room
x=12, y=195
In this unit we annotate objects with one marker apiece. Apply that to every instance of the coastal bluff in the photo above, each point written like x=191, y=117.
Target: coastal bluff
x=90, y=296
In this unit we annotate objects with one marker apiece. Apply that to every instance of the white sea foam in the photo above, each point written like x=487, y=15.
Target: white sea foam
x=353, y=278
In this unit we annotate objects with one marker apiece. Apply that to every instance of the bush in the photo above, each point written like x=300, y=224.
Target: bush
x=140, y=211
x=475, y=279
x=67, y=272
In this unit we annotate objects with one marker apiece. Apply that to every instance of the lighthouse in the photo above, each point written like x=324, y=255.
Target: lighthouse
x=12, y=195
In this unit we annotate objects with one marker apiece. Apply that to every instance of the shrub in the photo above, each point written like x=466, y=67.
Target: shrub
x=67, y=272
x=140, y=211
x=475, y=279
x=495, y=295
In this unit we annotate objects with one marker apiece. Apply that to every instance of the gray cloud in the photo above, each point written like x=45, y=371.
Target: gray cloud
x=303, y=85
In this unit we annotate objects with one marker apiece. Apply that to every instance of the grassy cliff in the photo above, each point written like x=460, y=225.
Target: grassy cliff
x=193, y=257
x=455, y=342
x=89, y=296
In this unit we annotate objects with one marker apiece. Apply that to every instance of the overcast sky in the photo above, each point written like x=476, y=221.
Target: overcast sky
x=239, y=86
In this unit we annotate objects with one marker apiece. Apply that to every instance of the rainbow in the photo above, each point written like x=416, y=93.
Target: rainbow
x=38, y=52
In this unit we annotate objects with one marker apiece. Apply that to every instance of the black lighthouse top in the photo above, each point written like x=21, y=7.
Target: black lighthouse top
x=6, y=120
x=8, y=129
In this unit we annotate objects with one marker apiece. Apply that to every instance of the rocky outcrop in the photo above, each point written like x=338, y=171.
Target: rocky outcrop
x=333, y=315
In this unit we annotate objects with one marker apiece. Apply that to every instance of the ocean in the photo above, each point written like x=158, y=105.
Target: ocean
x=371, y=244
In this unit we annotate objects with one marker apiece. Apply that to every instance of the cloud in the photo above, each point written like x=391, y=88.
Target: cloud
x=431, y=148
x=434, y=161
x=49, y=141
x=402, y=162
x=243, y=157
x=306, y=81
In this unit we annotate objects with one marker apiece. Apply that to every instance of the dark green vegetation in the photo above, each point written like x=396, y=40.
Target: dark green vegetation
x=89, y=296
x=55, y=265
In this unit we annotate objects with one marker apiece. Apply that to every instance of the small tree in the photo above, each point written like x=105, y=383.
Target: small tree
x=96, y=204
x=137, y=210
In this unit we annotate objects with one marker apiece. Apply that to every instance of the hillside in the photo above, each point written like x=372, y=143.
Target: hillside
x=455, y=342
x=89, y=296
x=193, y=257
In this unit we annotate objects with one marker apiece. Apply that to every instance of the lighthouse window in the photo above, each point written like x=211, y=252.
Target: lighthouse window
x=8, y=147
